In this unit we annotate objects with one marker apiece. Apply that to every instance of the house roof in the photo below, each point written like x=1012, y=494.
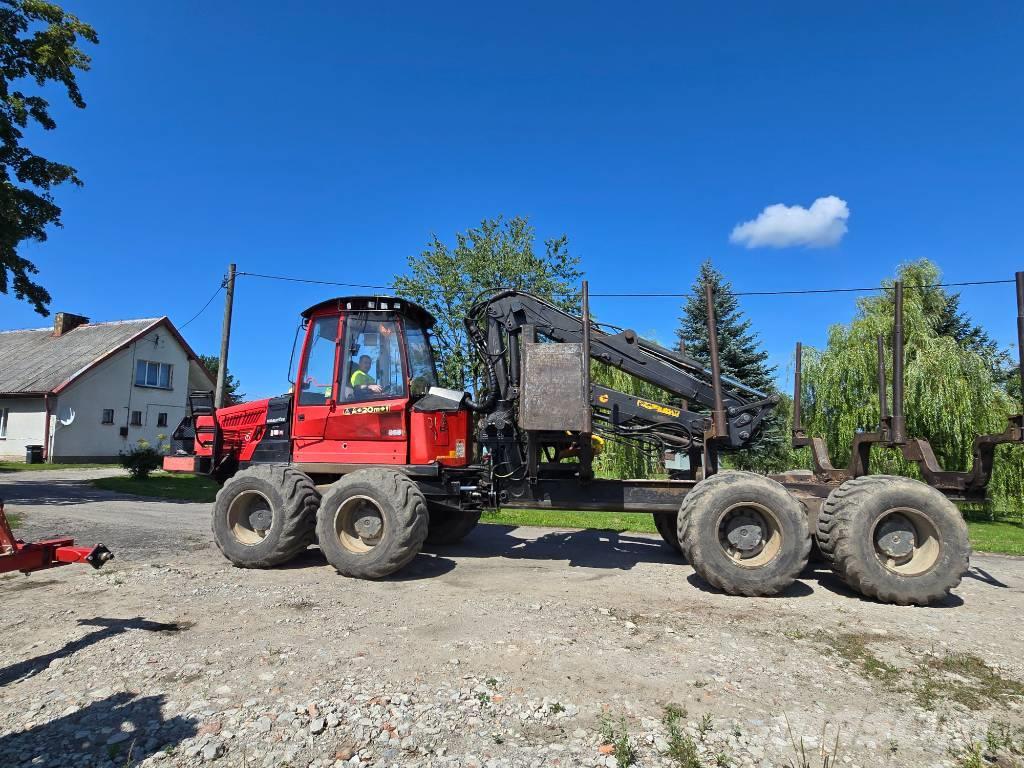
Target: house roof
x=37, y=362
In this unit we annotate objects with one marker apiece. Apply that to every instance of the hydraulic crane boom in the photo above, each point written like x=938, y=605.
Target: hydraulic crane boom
x=505, y=325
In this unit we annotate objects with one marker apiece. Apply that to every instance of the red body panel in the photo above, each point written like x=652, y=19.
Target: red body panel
x=441, y=437
x=243, y=426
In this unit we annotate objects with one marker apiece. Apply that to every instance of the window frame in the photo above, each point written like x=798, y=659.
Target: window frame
x=160, y=366
x=161, y=419
x=5, y=416
x=131, y=419
x=103, y=416
x=307, y=353
x=345, y=369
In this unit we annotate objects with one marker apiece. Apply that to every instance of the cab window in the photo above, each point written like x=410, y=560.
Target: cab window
x=372, y=368
x=422, y=373
x=317, y=383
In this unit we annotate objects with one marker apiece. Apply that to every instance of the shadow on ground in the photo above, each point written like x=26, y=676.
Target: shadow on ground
x=107, y=628
x=122, y=728
x=583, y=549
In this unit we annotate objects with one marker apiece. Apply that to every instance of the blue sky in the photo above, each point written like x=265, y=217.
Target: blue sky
x=329, y=140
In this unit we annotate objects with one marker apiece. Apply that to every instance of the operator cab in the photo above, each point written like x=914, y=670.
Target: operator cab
x=366, y=361
x=378, y=346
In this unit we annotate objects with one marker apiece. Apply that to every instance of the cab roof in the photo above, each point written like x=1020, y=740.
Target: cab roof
x=374, y=304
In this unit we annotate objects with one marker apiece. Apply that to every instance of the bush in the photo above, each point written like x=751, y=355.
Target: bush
x=144, y=458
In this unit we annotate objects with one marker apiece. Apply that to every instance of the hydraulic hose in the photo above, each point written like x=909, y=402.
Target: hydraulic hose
x=492, y=378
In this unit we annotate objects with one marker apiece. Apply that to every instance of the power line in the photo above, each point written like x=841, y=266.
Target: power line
x=207, y=304
x=314, y=282
x=642, y=295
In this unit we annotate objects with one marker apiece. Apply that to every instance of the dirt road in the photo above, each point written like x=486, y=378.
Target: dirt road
x=520, y=647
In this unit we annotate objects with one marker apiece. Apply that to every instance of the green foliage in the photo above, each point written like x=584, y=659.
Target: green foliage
x=951, y=392
x=497, y=254
x=38, y=44
x=231, y=385
x=682, y=750
x=143, y=458
x=618, y=736
x=622, y=458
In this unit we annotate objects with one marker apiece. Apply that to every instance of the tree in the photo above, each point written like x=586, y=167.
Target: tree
x=231, y=385
x=738, y=347
x=951, y=391
x=741, y=358
x=497, y=254
x=38, y=43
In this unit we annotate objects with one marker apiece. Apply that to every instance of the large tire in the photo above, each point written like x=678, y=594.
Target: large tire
x=371, y=523
x=450, y=526
x=744, y=533
x=666, y=523
x=867, y=525
x=265, y=515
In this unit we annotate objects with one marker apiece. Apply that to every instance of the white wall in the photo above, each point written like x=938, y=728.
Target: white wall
x=112, y=385
x=24, y=426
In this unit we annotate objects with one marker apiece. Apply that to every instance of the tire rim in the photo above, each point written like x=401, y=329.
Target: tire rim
x=250, y=517
x=750, y=534
x=359, y=524
x=905, y=541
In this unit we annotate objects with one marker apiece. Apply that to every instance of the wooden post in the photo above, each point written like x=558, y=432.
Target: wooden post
x=225, y=338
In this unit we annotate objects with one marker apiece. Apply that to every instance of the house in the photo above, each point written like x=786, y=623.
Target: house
x=87, y=391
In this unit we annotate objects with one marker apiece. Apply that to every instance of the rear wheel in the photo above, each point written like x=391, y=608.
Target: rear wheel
x=265, y=515
x=894, y=539
x=744, y=533
x=666, y=523
x=450, y=526
x=371, y=523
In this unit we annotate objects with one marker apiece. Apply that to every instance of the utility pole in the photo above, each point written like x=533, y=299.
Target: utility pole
x=225, y=337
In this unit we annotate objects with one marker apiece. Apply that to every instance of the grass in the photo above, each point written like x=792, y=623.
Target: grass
x=163, y=485
x=854, y=648
x=20, y=466
x=1004, y=537
x=561, y=518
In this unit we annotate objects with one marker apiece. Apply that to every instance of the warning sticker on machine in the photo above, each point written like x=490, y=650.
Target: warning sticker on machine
x=356, y=410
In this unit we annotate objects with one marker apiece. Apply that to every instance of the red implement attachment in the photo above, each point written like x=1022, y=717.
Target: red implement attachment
x=16, y=555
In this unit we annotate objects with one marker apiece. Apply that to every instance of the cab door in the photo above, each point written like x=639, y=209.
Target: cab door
x=369, y=425
x=316, y=390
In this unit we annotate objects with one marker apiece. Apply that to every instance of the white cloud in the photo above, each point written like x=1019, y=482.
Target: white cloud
x=784, y=226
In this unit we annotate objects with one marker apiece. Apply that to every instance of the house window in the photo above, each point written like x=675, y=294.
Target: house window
x=4, y=415
x=161, y=419
x=136, y=418
x=108, y=416
x=151, y=374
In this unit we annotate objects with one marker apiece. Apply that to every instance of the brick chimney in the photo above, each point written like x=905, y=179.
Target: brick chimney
x=65, y=321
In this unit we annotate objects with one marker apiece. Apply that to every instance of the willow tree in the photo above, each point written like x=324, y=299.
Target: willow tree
x=951, y=390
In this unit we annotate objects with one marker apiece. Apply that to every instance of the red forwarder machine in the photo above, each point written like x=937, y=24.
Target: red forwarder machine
x=370, y=458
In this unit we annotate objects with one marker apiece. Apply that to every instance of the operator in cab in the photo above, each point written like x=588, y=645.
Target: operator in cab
x=362, y=382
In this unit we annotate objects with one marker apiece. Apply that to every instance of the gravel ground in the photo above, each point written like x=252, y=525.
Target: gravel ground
x=521, y=647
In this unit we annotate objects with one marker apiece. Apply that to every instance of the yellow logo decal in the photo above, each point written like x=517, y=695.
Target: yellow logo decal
x=358, y=410
x=602, y=398
x=664, y=410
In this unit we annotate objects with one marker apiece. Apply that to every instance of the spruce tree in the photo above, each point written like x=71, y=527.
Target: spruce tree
x=742, y=358
x=739, y=348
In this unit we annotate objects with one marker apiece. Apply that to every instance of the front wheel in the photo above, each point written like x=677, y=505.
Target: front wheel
x=264, y=515
x=744, y=533
x=371, y=523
